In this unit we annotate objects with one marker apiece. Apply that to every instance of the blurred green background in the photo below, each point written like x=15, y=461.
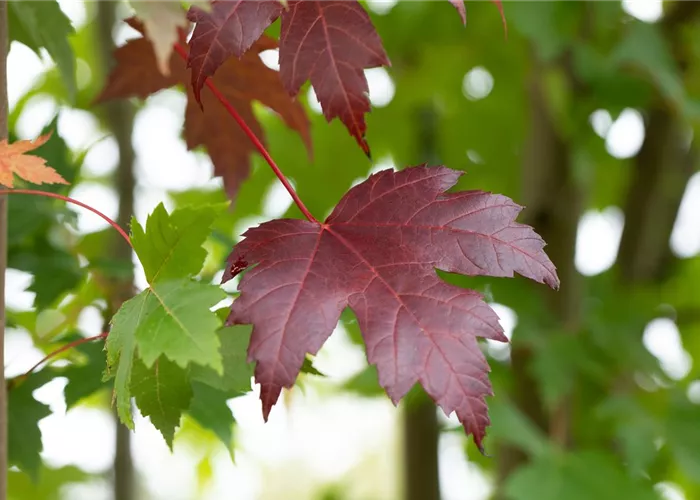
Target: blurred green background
x=585, y=113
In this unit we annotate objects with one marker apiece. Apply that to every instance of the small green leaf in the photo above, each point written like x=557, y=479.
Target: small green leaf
x=209, y=409
x=162, y=392
x=237, y=372
x=171, y=246
x=176, y=321
x=43, y=24
x=308, y=367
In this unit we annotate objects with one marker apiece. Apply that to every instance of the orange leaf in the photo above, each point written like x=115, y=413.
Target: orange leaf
x=13, y=160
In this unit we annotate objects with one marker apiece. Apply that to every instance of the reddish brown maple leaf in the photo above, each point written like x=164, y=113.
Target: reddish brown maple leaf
x=240, y=80
x=14, y=160
x=377, y=253
x=230, y=27
x=329, y=42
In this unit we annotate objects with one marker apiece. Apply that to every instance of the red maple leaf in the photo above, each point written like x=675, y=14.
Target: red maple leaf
x=241, y=80
x=329, y=42
x=377, y=253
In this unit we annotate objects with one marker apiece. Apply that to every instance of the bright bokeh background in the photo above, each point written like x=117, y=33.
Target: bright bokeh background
x=317, y=436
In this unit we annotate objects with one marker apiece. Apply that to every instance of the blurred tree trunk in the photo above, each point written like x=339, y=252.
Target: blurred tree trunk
x=119, y=117
x=421, y=429
x=554, y=203
x=4, y=47
x=661, y=172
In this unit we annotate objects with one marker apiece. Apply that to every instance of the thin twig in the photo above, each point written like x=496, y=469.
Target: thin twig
x=58, y=351
x=254, y=139
x=74, y=202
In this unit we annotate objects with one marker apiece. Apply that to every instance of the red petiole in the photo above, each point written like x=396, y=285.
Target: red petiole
x=253, y=138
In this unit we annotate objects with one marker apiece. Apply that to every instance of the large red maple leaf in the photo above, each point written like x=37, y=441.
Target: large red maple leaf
x=377, y=253
x=329, y=42
x=241, y=80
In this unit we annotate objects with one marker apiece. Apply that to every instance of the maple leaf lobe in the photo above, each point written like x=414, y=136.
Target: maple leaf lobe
x=331, y=43
x=377, y=253
x=230, y=28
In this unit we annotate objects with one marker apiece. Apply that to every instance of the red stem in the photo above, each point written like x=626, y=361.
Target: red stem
x=74, y=202
x=58, y=351
x=254, y=139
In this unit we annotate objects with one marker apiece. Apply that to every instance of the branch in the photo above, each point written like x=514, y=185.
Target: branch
x=253, y=138
x=4, y=48
x=74, y=202
x=55, y=353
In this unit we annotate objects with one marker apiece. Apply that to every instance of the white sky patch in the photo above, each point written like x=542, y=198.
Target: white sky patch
x=509, y=320
x=669, y=491
x=381, y=87
x=477, y=83
x=693, y=392
x=24, y=68
x=648, y=11
x=277, y=200
x=271, y=58
x=75, y=11
x=339, y=357
x=597, y=240
x=460, y=479
x=17, y=298
x=98, y=196
x=313, y=101
x=102, y=158
x=35, y=116
x=601, y=121
x=78, y=128
x=626, y=134
x=662, y=339
x=381, y=7
x=20, y=353
x=685, y=238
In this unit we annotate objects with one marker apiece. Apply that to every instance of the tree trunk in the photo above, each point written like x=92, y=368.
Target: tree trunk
x=4, y=47
x=119, y=117
x=554, y=203
x=421, y=429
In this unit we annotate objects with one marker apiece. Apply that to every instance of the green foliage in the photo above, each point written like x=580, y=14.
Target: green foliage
x=24, y=414
x=161, y=392
x=172, y=316
x=577, y=476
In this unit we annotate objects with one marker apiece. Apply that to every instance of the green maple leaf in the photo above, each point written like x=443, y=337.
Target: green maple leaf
x=171, y=245
x=237, y=372
x=24, y=414
x=171, y=318
x=162, y=392
x=208, y=407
